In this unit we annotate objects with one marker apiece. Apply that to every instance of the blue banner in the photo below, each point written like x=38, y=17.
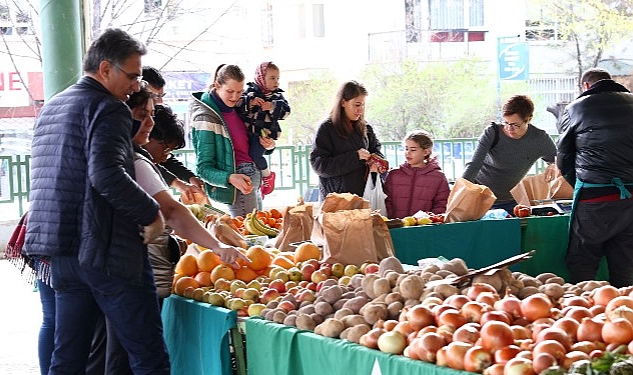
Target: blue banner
x=180, y=85
x=514, y=60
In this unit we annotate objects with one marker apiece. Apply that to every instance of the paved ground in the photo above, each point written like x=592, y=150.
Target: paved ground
x=20, y=319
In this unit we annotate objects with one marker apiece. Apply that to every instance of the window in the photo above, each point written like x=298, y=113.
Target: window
x=456, y=20
x=447, y=14
x=318, y=20
x=267, y=25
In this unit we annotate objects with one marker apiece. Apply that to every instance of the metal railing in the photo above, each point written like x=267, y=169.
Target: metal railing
x=290, y=163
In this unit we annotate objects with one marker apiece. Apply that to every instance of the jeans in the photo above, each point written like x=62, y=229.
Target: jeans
x=245, y=203
x=131, y=307
x=46, y=343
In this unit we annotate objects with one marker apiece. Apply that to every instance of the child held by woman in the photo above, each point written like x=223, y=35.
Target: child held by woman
x=263, y=105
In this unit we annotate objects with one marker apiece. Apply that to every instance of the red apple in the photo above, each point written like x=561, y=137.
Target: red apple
x=315, y=263
x=286, y=305
x=269, y=295
x=312, y=286
x=278, y=284
x=326, y=268
x=304, y=283
x=372, y=268
x=305, y=295
x=307, y=270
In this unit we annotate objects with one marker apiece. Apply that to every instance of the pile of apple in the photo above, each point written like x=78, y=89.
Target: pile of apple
x=279, y=280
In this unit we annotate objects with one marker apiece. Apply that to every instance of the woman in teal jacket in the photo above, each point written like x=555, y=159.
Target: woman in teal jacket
x=220, y=142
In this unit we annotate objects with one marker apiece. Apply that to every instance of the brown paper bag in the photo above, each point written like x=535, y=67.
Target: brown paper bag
x=382, y=237
x=297, y=226
x=468, y=201
x=530, y=189
x=347, y=236
x=561, y=189
x=343, y=201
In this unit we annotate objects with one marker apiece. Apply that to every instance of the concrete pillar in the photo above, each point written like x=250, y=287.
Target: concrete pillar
x=62, y=41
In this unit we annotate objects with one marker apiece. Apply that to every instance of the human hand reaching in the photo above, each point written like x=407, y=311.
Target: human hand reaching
x=229, y=255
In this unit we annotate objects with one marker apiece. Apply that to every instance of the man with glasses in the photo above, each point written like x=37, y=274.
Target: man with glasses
x=89, y=219
x=505, y=152
x=595, y=154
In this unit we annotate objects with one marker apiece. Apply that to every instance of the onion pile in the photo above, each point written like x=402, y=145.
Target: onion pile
x=480, y=332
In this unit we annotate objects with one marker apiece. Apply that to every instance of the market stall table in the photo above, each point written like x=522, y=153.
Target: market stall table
x=197, y=336
x=480, y=243
x=484, y=242
x=273, y=348
x=549, y=236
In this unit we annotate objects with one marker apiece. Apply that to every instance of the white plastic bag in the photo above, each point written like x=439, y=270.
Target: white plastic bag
x=374, y=194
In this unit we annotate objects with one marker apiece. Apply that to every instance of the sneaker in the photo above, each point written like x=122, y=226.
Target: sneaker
x=268, y=184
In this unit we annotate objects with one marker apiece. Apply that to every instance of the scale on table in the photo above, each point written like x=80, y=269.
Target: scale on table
x=547, y=207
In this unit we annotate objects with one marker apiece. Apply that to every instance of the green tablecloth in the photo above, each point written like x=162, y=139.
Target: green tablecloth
x=281, y=350
x=480, y=243
x=197, y=337
x=549, y=236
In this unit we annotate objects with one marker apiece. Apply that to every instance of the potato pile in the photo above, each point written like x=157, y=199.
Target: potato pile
x=397, y=312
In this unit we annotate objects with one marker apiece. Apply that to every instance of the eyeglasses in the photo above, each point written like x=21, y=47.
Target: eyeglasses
x=156, y=95
x=513, y=125
x=166, y=148
x=130, y=76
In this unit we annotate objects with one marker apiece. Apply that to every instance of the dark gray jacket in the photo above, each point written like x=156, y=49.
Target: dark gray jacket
x=596, y=144
x=84, y=200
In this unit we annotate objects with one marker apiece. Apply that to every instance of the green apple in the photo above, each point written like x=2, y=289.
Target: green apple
x=255, y=309
x=338, y=269
x=351, y=270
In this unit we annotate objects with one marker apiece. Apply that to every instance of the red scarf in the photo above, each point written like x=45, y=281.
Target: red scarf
x=260, y=77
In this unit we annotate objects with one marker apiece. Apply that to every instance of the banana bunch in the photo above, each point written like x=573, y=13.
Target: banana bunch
x=255, y=226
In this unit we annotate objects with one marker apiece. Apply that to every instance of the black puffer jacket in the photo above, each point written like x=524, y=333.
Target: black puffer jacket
x=84, y=200
x=335, y=159
x=596, y=144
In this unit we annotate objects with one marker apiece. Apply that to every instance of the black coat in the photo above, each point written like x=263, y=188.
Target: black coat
x=596, y=144
x=335, y=159
x=84, y=200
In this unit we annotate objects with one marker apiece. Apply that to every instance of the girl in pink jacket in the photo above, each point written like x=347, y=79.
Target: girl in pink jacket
x=419, y=183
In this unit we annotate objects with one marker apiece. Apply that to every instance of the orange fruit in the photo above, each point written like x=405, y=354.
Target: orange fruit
x=183, y=283
x=246, y=274
x=262, y=215
x=288, y=254
x=282, y=261
x=275, y=213
x=271, y=222
x=203, y=278
x=260, y=258
x=222, y=271
x=207, y=260
x=187, y=265
x=307, y=250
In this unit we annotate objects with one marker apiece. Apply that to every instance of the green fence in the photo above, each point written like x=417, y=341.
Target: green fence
x=290, y=163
